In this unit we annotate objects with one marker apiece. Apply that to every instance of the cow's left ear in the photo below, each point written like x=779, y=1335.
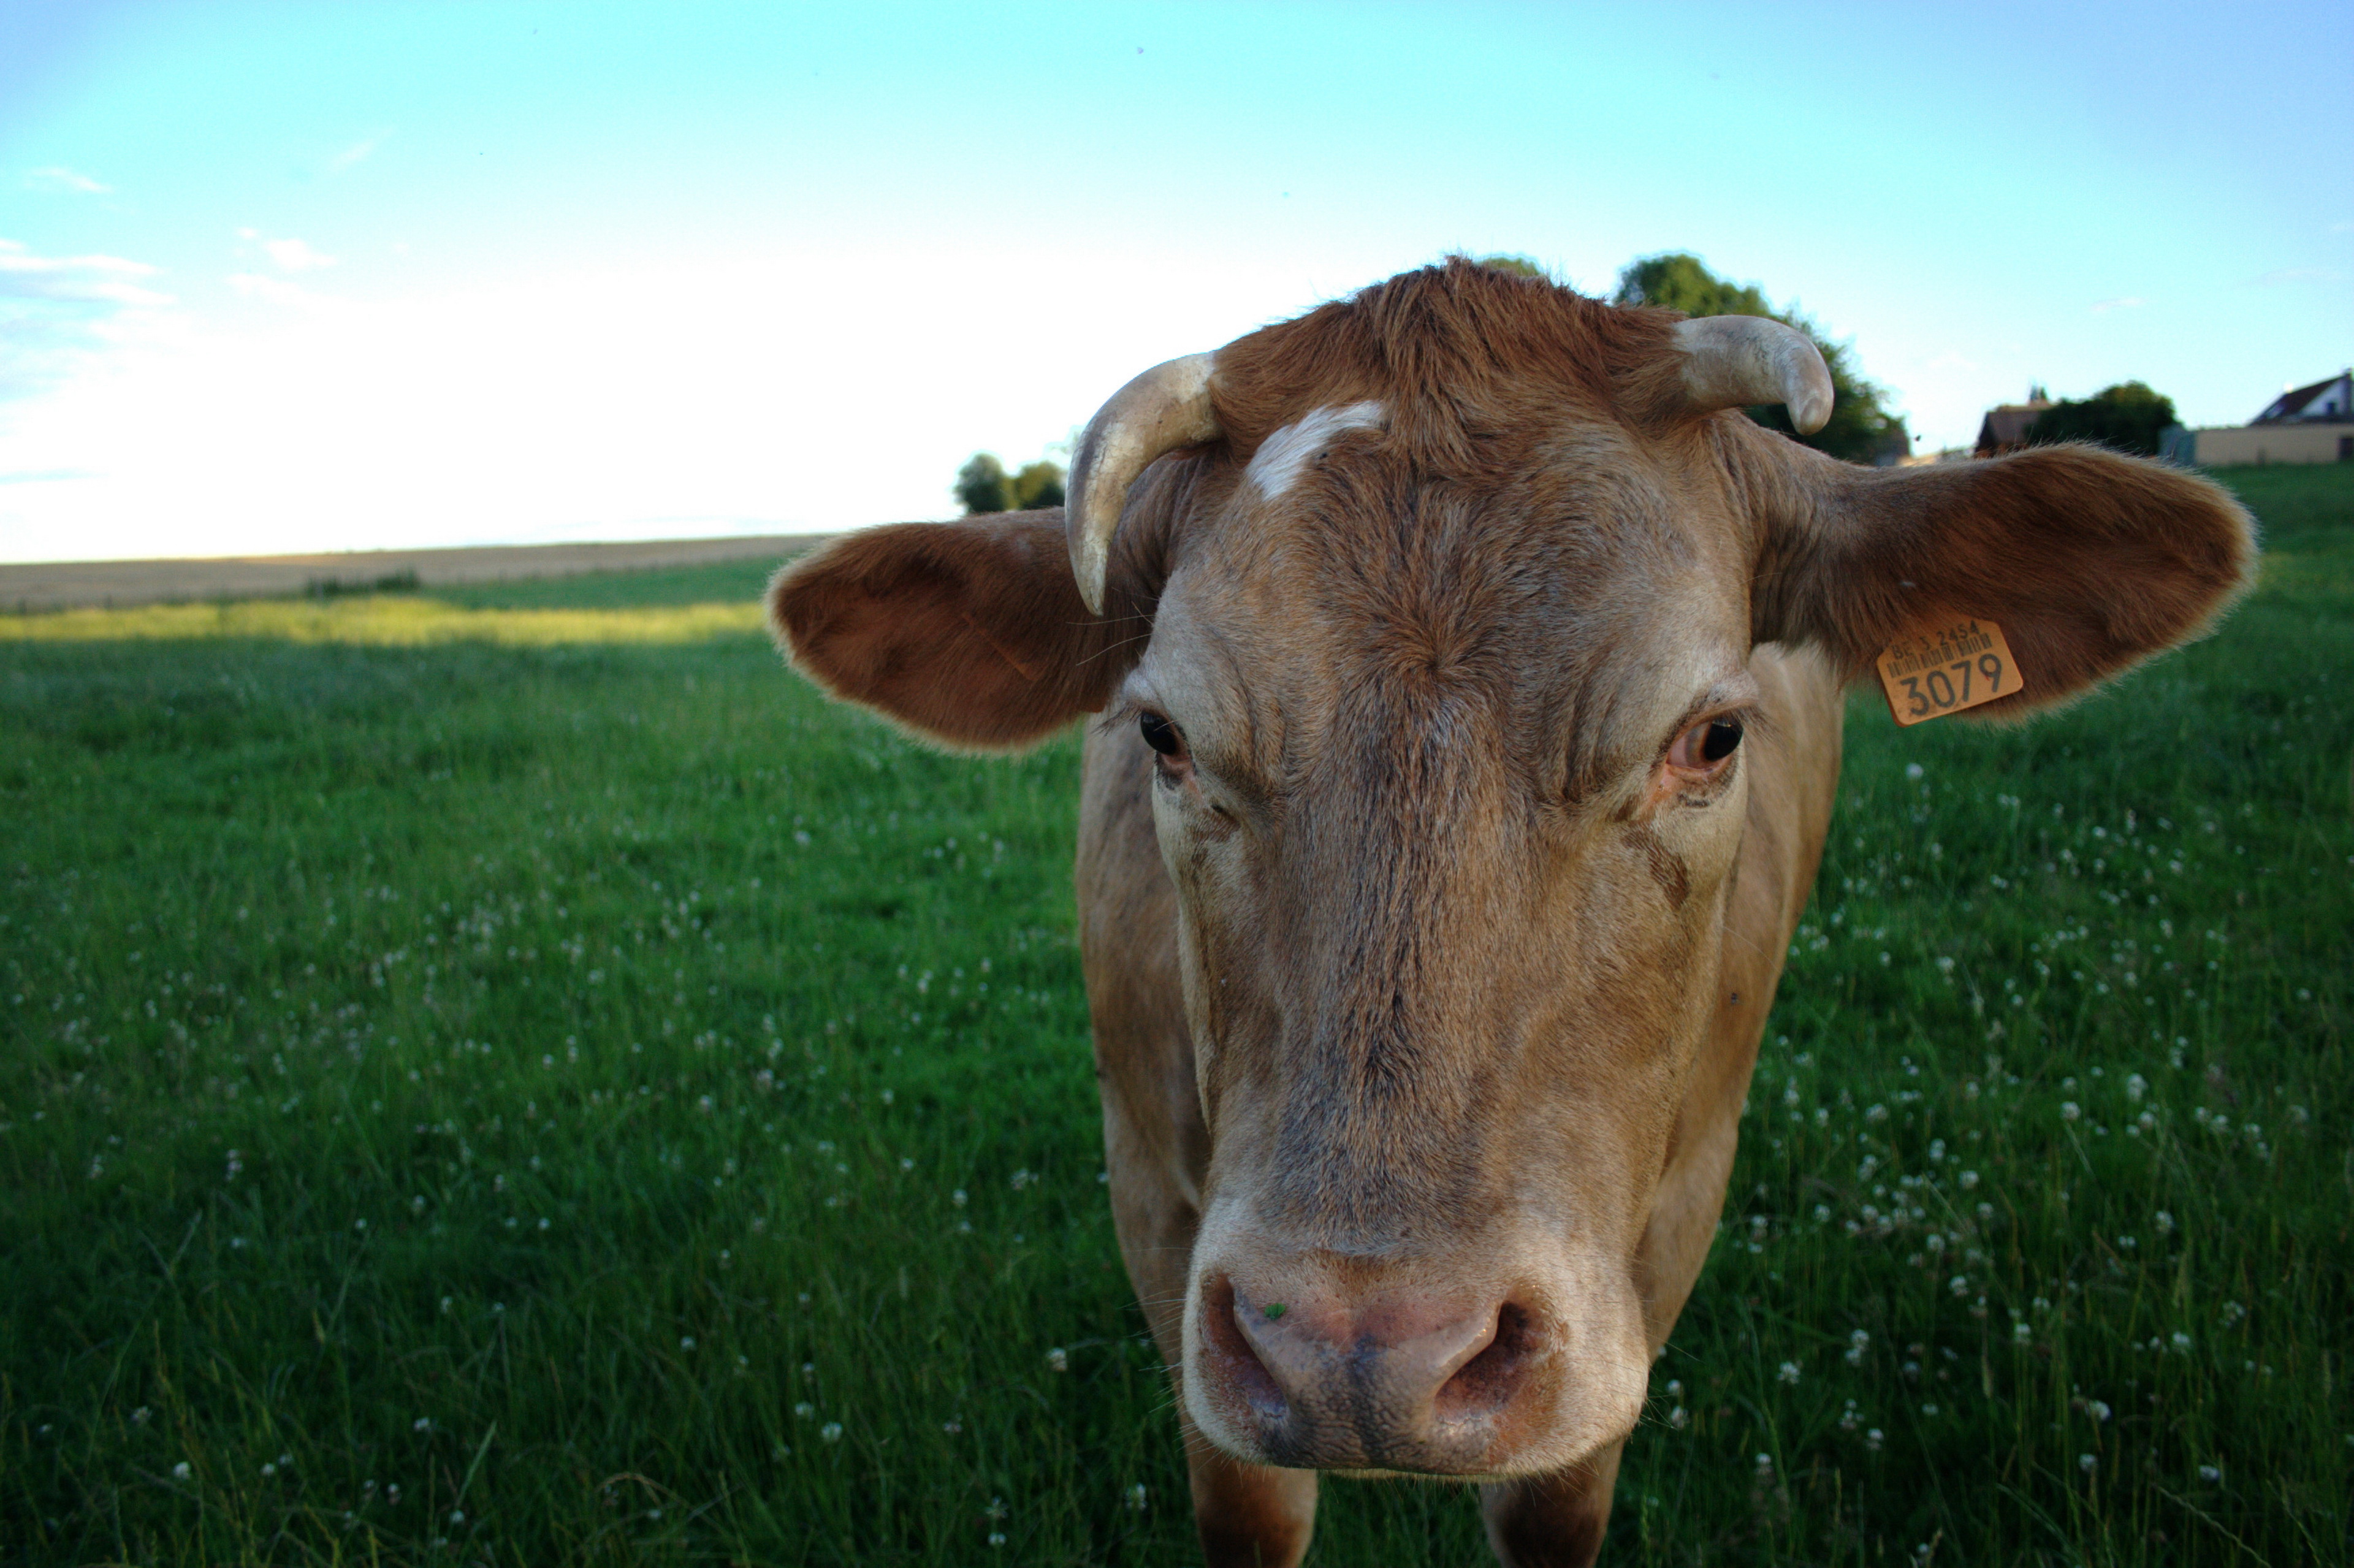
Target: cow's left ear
x=2088, y=561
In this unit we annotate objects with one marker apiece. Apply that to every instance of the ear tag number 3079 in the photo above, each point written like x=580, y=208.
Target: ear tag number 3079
x=1946, y=668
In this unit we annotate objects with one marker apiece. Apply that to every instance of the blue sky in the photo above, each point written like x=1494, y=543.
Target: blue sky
x=288, y=277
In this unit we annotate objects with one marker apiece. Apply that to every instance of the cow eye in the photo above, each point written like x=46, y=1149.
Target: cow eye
x=1160, y=734
x=1704, y=748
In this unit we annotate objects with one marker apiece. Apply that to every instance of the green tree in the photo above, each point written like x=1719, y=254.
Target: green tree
x=1521, y=266
x=2129, y=417
x=1038, y=485
x=982, y=486
x=1861, y=429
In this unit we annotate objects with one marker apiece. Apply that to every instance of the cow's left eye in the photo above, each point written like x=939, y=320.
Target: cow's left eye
x=1705, y=747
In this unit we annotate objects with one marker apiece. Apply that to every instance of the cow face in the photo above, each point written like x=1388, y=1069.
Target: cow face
x=1428, y=625
x=1450, y=824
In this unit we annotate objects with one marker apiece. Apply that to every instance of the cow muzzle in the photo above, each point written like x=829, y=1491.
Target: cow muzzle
x=1289, y=1368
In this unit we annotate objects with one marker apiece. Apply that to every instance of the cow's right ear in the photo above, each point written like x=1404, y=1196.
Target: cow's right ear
x=970, y=633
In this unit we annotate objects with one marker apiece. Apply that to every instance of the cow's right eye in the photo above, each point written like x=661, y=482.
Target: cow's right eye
x=1160, y=734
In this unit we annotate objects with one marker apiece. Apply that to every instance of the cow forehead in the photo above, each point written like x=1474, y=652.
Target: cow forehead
x=1339, y=562
x=1281, y=457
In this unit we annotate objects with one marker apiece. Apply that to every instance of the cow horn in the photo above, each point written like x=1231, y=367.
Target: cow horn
x=1732, y=362
x=1166, y=408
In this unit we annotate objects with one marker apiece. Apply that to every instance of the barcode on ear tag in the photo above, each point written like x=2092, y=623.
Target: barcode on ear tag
x=1945, y=667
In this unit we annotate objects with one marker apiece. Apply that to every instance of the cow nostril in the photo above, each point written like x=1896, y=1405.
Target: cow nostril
x=1489, y=1381
x=1234, y=1362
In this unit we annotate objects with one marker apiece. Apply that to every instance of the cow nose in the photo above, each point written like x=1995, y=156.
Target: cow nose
x=1389, y=1382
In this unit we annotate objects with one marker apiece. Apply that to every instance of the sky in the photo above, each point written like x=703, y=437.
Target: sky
x=292, y=277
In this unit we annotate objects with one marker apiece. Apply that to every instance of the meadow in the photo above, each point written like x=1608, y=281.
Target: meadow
x=511, y=1076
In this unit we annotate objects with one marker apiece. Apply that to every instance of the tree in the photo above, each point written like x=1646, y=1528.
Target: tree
x=1519, y=265
x=982, y=485
x=1038, y=485
x=1860, y=430
x=2129, y=417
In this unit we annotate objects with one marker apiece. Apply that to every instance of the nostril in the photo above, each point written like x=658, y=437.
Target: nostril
x=1489, y=1381
x=1233, y=1362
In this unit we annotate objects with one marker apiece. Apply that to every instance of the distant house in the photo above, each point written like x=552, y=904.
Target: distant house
x=2304, y=424
x=2329, y=402
x=2004, y=429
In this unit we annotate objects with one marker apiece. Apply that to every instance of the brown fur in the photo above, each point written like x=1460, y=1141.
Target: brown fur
x=1425, y=995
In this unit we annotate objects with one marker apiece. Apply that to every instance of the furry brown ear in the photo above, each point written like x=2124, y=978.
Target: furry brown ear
x=2088, y=561
x=972, y=634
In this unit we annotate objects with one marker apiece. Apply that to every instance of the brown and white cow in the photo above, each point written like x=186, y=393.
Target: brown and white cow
x=1473, y=678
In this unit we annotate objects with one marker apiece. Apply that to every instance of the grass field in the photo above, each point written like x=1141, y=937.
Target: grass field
x=512, y=1077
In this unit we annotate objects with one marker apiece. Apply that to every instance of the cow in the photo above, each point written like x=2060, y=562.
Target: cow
x=1471, y=673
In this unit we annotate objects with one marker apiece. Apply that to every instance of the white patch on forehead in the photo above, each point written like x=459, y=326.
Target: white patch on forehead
x=1282, y=455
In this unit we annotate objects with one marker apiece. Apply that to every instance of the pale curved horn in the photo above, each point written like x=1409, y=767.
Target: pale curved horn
x=1732, y=362
x=1166, y=408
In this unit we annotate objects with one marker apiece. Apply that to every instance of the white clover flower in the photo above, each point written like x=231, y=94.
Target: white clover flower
x=1969, y=1179
x=2211, y=1474
x=1873, y=1438
x=1787, y=1373
x=2086, y=1462
x=2098, y=1409
x=2136, y=1086
x=2165, y=1222
x=1136, y=1497
x=830, y=1432
x=2021, y=1334
x=2070, y=1111
x=2181, y=1342
x=804, y=1410
x=1058, y=1359
x=180, y=1472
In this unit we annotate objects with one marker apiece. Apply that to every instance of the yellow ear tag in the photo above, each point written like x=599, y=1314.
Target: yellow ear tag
x=1945, y=667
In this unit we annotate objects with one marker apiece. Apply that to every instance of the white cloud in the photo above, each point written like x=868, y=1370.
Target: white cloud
x=359, y=150
x=2123, y=303
x=296, y=255
x=56, y=178
x=60, y=313
x=796, y=392
x=24, y=275
x=274, y=291
x=2301, y=275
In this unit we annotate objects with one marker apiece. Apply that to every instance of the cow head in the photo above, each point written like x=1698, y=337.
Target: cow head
x=1431, y=615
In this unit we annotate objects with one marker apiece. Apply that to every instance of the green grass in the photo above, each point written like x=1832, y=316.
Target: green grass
x=603, y=1091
